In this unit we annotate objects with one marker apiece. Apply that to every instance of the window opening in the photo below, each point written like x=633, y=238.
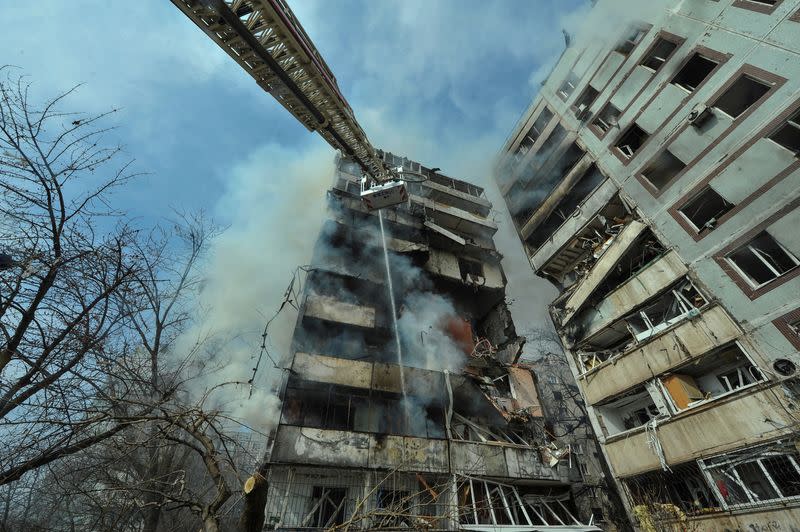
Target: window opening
x=568, y=87
x=631, y=40
x=585, y=101
x=394, y=509
x=762, y=260
x=631, y=141
x=469, y=267
x=659, y=54
x=705, y=210
x=326, y=507
x=788, y=135
x=608, y=118
x=744, y=92
x=694, y=72
x=534, y=132
x=682, y=302
x=710, y=377
x=671, y=495
x=635, y=409
x=754, y=476
x=663, y=169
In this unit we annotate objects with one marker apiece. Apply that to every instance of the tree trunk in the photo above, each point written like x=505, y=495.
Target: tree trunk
x=255, y=502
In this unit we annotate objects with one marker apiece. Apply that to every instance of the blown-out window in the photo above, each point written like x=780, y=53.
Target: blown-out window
x=744, y=92
x=788, y=134
x=762, y=260
x=694, y=72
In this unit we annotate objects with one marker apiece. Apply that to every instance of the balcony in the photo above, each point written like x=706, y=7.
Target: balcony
x=594, y=324
x=557, y=253
x=686, y=341
x=752, y=416
x=340, y=448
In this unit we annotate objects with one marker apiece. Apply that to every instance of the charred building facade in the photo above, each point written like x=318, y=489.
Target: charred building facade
x=655, y=180
x=405, y=405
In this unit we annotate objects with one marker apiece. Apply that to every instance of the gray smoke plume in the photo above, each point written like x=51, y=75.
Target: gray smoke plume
x=275, y=205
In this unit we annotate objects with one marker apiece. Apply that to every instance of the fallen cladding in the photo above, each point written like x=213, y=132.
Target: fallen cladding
x=456, y=435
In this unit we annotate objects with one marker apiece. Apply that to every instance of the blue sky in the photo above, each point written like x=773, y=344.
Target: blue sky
x=428, y=79
x=442, y=82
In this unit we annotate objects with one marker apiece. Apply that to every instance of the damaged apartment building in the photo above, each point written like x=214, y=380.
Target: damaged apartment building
x=429, y=422
x=655, y=180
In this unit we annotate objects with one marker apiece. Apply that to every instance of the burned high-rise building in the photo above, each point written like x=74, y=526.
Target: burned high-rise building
x=655, y=180
x=405, y=404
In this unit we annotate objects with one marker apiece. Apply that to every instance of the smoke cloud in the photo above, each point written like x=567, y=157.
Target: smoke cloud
x=274, y=203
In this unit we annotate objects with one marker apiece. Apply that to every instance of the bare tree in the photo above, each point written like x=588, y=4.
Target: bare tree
x=94, y=400
x=66, y=270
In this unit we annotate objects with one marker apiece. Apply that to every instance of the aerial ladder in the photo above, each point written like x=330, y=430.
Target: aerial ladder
x=268, y=42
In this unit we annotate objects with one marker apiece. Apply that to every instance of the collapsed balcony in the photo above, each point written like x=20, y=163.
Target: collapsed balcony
x=581, y=238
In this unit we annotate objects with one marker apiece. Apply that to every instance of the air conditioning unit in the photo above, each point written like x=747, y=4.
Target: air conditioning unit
x=582, y=111
x=699, y=115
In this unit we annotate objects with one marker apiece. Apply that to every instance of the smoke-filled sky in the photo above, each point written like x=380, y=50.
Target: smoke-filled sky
x=442, y=82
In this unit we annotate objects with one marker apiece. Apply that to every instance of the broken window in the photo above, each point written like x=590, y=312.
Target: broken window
x=488, y=503
x=585, y=100
x=607, y=118
x=663, y=169
x=744, y=92
x=568, y=87
x=705, y=210
x=659, y=54
x=394, y=509
x=712, y=376
x=631, y=141
x=534, y=132
x=471, y=270
x=567, y=206
x=675, y=305
x=694, y=72
x=762, y=260
x=788, y=135
x=630, y=41
x=754, y=476
x=636, y=258
x=668, y=495
x=635, y=409
x=326, y=507
x=317, y=405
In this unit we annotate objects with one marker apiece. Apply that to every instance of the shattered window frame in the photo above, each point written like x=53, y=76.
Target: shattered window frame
x=643, y=320
x=746, y=478
x=767, y=261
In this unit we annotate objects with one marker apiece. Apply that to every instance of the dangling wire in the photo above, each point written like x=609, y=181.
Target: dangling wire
x=290, y=297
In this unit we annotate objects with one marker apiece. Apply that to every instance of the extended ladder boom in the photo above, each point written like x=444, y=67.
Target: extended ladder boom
x=268, y=42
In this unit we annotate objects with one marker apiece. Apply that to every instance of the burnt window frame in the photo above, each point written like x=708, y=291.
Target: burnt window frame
x=571, y=79
x=634, y=31
x=648, y=183
x=792, y=121
x=596, y=129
